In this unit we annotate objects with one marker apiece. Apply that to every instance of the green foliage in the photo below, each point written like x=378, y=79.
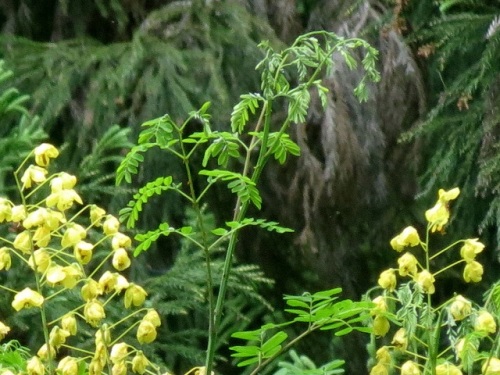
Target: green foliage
x=13, y=356
x=302, y=365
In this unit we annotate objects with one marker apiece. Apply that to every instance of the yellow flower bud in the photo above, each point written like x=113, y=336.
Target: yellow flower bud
x=470, y=249
x=107, y=282
x=44, y=153
x=400, y=340
x=34, y=366
x=73, y=273
x=36, y=218
x=380, y=306
x=473, y=272
x=387, y=280
x=33, y=174
x=380, y=325
x=447, y=369
x=437, y=216
x=119, y=352
x=44, y=351
x=64, y=181
x=54, y=219
x=121, y=260
x=91, y=290
x=41, y=236
x=96, y=215
x=63, y=199
x=83, y=252
x=139, y=363
x=68, y=323
x=408, y=237
x=119, y=369
x=95, y=367
x=41, y=259
x=146, y=333
x=485, y=322
x=135, y=295
x=426, y=281
x=410, y=368
x=6, y=371
x=68, y=366
x=22, y=242
x=5, y=210
x=379, y=369
x=27, y=298
x=407, y=265
x=111, y=225
x=18, y=214
x=153, y=317
x=446, y=196
x=93, y=313
x=120, y=240
x=58, y=336
x=121, y=283
x=55, y=274
x=4, y=330
x=491, y=366
x=74, y=234
x=460, y=308
x=5, y=260
x=383, y=355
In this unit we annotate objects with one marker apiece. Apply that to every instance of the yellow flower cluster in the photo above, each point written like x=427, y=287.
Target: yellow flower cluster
x=55, y=246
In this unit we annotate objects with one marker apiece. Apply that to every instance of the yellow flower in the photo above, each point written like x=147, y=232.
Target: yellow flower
x=119, y=352
x=438, y=216
x=400, y=341
x=74, y=233
x=4, y=330
x=96, y=215
x=18, y=214
x=63, y=199
x=491, y=366
x=33, y=174
x=380, y=306
x=119, y=369
x=121, y=260
x=6, y=371
x=408, y=237
x=66, y=276
x=473, y=272
x=41, y=236
x=58, y=336
x=407, y=265
x=5, y=261
x=426, y=282
x=91, y=290
x=68, y=366
x=23, y=243
x=383, y=355
x=121, y=283
x=120, y=240
x=134, y=295
x=68, y=323
x=446, y=196
x=387, y=280
x=5, y=210
x=139, y=363
x=410, y=368
x=43, y=352
x=62, y=182
x=153, y=317
x=146, y=333
x=93, y=312
x=83, y=252
x=470, y=249
x=95, y=367
x=44, y=153
x=111, y=225
x=36, y=218
x=53, y=219
x=380, y=325
x=485, y=322
x=107, y=282
x=379, y=369
x=447, y=369
x=41, y=259
x=27, y=298
x=460, y=308
x=34, y=366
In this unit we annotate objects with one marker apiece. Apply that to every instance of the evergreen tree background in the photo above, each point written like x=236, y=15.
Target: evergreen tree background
x=95, y=70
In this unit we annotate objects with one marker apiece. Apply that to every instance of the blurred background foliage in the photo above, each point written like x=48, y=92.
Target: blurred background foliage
x=85, y=75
